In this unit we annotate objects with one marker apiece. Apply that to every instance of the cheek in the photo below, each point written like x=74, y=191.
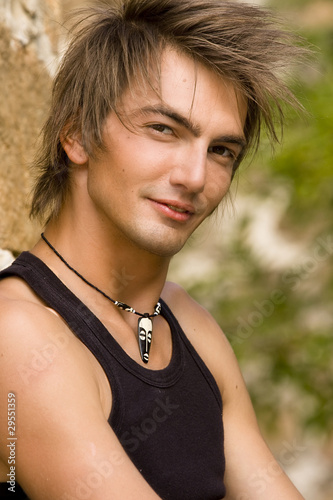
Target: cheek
x=107, y=173
x=217, y=186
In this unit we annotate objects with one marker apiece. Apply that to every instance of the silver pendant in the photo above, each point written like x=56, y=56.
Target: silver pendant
x=145, y=330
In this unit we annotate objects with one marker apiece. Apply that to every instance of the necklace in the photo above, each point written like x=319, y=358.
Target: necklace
x=145, y=323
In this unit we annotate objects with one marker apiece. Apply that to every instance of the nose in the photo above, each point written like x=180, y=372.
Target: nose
x=189, y=170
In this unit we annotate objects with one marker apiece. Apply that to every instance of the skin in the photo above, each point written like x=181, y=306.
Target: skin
x=167, y=166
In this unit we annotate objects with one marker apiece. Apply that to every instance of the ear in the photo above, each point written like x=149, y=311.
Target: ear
x=74, y=149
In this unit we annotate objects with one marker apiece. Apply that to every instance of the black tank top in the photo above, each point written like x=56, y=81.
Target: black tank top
x=169, y=421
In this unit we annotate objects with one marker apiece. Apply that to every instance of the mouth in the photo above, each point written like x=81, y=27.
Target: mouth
x=178, y=206
x=175, y=210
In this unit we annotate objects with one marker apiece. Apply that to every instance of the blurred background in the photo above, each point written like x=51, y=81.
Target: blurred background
x=262, y=265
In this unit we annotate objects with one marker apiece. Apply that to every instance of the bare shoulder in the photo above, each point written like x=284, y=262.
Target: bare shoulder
x=185, y=307
x=35, y=343
x=204, y=333
x=26, y=323
x=189, y=312
x=38, y=356
x=199, y=323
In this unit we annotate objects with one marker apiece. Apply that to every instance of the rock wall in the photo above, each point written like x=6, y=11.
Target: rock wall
x=28, y=58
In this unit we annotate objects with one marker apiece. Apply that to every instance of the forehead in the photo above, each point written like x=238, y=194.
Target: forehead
x=192, y=90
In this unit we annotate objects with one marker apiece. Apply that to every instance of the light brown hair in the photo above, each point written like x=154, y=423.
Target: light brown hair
x=121, y=42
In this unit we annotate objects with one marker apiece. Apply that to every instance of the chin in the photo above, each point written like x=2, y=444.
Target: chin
x=161, y=245
x=159, y=240
x=163, y=249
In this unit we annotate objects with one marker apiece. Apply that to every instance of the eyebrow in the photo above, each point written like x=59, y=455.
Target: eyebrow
x=195, y=130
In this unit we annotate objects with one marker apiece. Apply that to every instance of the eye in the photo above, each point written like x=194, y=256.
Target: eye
x=162, y=129
x=222, y=151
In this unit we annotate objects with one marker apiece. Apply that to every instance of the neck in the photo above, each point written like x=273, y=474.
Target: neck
x=124, y=272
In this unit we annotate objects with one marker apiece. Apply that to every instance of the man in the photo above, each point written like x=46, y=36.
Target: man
x=115, y=379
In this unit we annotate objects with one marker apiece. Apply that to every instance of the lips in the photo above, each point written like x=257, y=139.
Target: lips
x=177, y=206
x=177, y=209
x=174, y=210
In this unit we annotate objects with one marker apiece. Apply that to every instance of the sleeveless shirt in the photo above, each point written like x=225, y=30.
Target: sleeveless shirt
x=169, y=421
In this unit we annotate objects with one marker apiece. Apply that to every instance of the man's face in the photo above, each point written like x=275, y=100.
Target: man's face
x=168, y=161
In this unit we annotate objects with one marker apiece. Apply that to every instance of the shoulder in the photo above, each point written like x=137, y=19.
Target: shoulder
x=196, y=319
x=25, y=321
x=38, y=354
x=190, y=313
x=21, y=312
x=35, y=342
x=36, y=346
x=204, y=333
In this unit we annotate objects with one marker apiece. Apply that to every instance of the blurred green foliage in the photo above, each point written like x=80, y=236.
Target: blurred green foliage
x=280, y=322
x=305, y=160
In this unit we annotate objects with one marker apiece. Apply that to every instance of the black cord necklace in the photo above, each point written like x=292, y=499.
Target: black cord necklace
x=145, y=323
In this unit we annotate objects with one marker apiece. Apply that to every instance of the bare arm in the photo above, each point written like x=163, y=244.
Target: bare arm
x=252, y=473
x=65, y=447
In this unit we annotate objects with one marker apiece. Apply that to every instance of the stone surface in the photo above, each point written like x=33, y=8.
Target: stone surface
x=28, y=58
